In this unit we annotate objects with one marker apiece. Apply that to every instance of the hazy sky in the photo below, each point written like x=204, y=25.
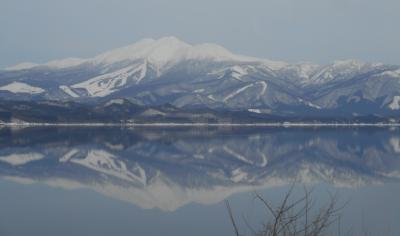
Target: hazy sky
x=290, y=30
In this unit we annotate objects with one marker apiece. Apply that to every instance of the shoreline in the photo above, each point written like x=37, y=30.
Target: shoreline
x=285, y=125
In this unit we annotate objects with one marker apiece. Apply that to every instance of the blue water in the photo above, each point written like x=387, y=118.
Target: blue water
x=173, y=181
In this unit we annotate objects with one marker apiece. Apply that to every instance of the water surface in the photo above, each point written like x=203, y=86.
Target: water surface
x=173, y=181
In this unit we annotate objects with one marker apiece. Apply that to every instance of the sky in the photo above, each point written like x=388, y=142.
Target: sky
x=319, y=31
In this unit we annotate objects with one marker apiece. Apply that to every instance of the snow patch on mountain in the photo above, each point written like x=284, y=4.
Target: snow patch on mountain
x=22, y=66
x=199, y=91
x=69, y=155
x=106, y=84
x=310, y=104
x=339, y=69
x=153, y=112
x=258, y=111
x=117, y=101
x=264, y=87
x=394, y=74
x=69, y=91
x=238, y=72
x=395, y=104
x=18, y=87
x=231, y=95
x=306, y=70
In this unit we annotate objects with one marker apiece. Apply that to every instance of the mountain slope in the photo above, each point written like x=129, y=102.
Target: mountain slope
x=155, y=72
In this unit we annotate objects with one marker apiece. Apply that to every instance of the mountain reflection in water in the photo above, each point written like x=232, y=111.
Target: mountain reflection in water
x=167, y=168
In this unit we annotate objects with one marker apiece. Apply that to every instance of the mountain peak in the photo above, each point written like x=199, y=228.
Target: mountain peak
x=169, y=50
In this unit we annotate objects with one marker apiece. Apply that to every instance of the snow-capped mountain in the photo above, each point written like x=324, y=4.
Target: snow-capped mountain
x=168, y=70
x=169, y=168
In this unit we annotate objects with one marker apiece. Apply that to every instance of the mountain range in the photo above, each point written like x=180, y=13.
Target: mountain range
x=153, y=73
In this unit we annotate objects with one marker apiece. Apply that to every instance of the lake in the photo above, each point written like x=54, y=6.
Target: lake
x=173, y=181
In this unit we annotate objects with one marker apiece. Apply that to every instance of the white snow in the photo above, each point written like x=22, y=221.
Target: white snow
x=255, y=111
x=18, y=87
x=65, y=63
x=350, y=63
x=237, y=155
x=395, y=105
x=305, y=70
x=22, y=66
x=339, y=69
x=106, y=84
x=238, y=72
x=394, y=74
x=395, y=142
x=118, y=147
x=68, y=91
x=264, y=87
x=117, y=101
x=21, y=159
x=211, y=97
x=56, y=64
x=238, y=175
x=310, y=104
x=153, y=112
x=167, y=51
x=109, y=164
x=237, y=92
x=69, y=155
x=234, y=72
x=264, y=162
x=199, y=90
x=161, y=53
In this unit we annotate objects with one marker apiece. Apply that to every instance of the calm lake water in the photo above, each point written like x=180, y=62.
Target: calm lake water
x=173, y=181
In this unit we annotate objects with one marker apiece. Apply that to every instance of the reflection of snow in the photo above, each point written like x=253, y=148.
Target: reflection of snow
x=21, y=159
x=237, y=155
x=238, y=175
x=395, y=142
x=69, y=155
x=395, y=105
x=107, y=163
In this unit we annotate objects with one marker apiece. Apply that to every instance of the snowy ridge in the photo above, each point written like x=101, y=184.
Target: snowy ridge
x=65, y=63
